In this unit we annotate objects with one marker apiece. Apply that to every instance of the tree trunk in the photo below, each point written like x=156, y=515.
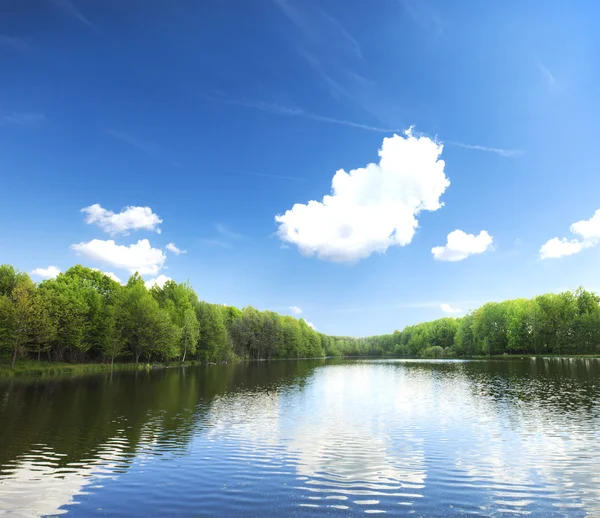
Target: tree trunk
x=183, y=359
x=14, y=358
x=39, y=352
x=137, y=358
x=112, y=359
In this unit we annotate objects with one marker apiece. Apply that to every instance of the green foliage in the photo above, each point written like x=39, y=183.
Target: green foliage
x=83, y=316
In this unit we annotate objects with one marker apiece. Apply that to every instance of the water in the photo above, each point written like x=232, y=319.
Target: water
x=307, y=438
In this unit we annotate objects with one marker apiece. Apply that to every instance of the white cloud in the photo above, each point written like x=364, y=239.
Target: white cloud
x=158, y=281
x=111, y=275
x=311, y=325
x=555, y=248
x=588, y=229
x=139, y=257
x=177, y=251
x=130, y=218
x=46, y=273
x=461, y=245
x=371, y=208
x=447, y=308
x=295, y=310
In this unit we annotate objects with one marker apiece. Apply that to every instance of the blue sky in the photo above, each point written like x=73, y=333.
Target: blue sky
x=219, y=116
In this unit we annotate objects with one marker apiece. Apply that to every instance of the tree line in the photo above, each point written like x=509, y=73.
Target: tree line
x=564, y=323
x=85, y=316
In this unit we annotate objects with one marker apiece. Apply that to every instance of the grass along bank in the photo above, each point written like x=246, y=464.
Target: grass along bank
x=44, y=368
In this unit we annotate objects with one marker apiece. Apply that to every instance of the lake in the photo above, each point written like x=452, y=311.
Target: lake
x=307, y=438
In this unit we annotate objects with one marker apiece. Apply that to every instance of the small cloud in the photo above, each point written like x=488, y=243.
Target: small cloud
x=555, y=248
x=158, y=281
x=110, y=275
x=588, y=229
x=22, y=119
x=130, y=218
x=177, y=251
x=447, y=308
x=139, y=257
x=46, y=273
x=311, y=325
x=461, y=245
x=295, y=310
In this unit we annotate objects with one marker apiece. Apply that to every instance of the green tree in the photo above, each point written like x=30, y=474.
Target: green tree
x=212, y=342
x=190, y=333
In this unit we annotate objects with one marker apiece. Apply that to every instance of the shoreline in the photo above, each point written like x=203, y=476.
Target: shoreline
x=44, y=369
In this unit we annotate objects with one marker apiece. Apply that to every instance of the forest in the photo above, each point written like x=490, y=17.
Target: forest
x=84, y=316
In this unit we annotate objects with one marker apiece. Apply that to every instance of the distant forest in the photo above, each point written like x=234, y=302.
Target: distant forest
x=84, y=316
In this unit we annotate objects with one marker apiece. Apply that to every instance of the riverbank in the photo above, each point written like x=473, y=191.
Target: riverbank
x=537, y=356
x=42, y=368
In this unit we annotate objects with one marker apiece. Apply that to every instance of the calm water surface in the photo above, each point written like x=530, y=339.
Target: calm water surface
x=492, y=438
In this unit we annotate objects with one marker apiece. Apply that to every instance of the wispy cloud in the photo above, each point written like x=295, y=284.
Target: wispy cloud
x=424, y=16
x=171, y=247
x=146, y=146
x=319, y=28
x=216, y=242
x=332, y=53
x=227, y=233
x=71, y=9
x=22, y=119
x=13, y=42
x=336, y=88
x=226, y=237
x=512, y=153
x=266, y=175
x=289, y=111
x=351, y=43
x=545, y=71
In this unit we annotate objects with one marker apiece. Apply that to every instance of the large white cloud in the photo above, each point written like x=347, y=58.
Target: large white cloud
x=139, y=257
x=461, y=245
x=588, y=229
x=130, y=218
x=158, y=281
x=370, y=208
x=46, y=273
